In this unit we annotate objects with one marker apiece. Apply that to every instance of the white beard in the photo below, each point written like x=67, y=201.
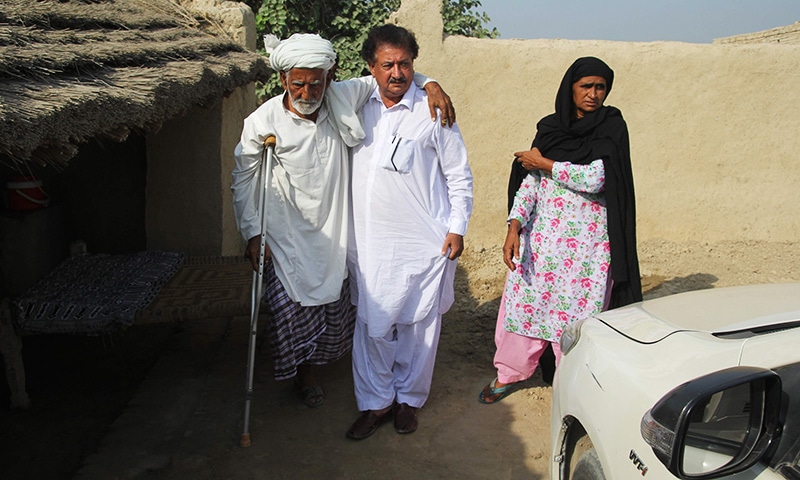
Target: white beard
x=307, y=107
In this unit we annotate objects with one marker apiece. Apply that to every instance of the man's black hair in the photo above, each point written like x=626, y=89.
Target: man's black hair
x=388, y=34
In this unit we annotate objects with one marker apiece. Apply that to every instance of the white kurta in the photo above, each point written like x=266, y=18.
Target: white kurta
x=308, y=209
x=411, y=185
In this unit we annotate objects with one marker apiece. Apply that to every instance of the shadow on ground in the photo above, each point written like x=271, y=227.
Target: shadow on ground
x=166, y=401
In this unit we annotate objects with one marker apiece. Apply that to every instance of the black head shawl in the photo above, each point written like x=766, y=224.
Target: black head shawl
x=601, y=134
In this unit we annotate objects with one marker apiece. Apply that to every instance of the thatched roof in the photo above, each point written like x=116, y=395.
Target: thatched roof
x=77, y=69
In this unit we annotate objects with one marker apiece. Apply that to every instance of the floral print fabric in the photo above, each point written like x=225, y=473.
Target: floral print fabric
x=564, y=261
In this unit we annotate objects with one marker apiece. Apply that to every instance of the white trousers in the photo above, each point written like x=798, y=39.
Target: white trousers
x=396, y=367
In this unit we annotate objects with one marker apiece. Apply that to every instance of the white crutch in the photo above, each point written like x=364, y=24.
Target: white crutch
x=265, y=175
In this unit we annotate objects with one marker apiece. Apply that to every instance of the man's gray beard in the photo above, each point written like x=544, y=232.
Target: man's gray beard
x=305, y=107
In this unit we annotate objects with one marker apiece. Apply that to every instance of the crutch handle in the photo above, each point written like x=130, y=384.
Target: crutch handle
x=270, y=141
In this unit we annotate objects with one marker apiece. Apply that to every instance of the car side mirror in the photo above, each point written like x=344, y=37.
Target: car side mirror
x=716, y=425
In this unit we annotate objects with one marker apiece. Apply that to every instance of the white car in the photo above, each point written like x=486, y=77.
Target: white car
x=696, y=385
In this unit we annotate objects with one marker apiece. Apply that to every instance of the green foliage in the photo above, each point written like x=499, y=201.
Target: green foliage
x=460, y=19
x=346, y=24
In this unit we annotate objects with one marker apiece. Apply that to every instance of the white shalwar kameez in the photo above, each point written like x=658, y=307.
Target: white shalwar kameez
x=411, y=185
x=308, y=214
x=307, y=206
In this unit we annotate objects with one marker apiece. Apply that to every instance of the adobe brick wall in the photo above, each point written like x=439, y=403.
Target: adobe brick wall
x=713, y=127
x=788, y=35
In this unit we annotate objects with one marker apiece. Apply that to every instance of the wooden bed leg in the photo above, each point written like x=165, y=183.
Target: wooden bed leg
x=11, y=349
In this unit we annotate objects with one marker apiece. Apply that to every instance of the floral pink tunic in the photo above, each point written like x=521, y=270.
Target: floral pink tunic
x=564, y=251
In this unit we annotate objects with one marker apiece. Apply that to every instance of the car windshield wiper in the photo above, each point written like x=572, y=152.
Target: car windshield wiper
x=752, y=332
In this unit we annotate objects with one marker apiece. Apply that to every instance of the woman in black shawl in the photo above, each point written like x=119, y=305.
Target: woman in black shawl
x=571, y=242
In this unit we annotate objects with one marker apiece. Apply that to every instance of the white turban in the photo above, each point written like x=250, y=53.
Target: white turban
x=307, y=50
x=301, y=50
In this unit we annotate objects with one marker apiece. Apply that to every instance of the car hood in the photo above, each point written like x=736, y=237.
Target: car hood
x=716, y=310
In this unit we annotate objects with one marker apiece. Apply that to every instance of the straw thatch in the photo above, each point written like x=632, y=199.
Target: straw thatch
x=78, y=69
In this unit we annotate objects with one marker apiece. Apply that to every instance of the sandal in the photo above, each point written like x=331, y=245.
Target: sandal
x=490, y=394
x=312, y=395
x=368, y=423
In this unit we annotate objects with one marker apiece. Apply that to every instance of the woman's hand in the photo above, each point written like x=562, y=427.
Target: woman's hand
x=511, y=246
x=534, y=160
x=437, y=98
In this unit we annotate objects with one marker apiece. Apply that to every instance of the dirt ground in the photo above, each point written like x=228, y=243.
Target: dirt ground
x=166, y=401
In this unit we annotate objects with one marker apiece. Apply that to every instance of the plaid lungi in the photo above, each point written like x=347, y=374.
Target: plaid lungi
x=312, y=335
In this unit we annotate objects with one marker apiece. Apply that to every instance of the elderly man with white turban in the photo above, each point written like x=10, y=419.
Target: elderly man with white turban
x=305, y=272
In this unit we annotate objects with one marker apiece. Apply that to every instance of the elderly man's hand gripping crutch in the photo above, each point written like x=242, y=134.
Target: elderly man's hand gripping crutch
x=265, y=179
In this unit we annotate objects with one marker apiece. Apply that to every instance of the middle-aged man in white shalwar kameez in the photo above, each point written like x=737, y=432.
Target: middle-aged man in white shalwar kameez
x=411, y=199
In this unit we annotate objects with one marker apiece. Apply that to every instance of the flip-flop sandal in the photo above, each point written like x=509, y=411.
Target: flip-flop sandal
x=313, y=396
x=490, y=391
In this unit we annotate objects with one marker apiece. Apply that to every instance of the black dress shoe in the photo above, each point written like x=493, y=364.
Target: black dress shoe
x=405, y=419
x=367, y=423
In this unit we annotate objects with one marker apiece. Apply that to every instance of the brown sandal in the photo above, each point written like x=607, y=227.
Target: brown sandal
x=405, y=419
x=367, y=424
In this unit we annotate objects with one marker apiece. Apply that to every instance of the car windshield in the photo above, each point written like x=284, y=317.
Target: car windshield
x=786, y=459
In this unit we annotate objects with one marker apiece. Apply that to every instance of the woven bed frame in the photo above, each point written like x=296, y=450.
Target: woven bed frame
x=203, y=287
